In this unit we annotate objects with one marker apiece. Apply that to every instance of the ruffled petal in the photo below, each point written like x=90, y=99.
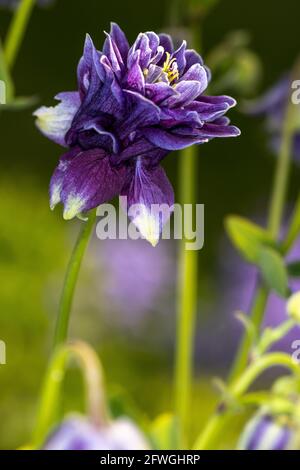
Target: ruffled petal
x=86, y=180
x=150, y=200
x=55, y=121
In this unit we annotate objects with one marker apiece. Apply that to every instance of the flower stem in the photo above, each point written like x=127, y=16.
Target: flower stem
x=92, y=372
x=17, y=30
x=222, y=416
x=187, y=303
x=71, y=279
x=275, y=218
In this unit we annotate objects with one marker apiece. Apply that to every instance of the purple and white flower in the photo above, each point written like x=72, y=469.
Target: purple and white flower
x=264, y=432
x=77, y=433
x=133, y=106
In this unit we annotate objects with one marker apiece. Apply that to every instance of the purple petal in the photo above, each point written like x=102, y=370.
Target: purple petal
x=214, y=130
x=158, y=92
x=140, y=112
x=55, y=121
x=173, y=140
x=217, y=100
x=192, y=57
x=58, y=176
x=120, y=40
x=166, y=42
x=188, y=91
x=196, y=72
x=88, y=181
x=179, y=55
x=150, y=200
x=111, y=51
x=135, y=78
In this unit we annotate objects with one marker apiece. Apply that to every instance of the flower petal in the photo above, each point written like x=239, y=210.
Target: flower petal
x=90, y=180
x=151, y=196
x=120, y=40
x=55, y=121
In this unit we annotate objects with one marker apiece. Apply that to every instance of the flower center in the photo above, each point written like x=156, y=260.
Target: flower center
x=170, y=68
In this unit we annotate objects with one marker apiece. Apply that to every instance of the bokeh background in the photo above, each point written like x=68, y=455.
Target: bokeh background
x=125, y=303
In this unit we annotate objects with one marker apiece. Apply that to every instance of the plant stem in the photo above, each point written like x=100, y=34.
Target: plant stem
x=71, y=279
x=275, y=218
x=187, y=303
x=17, y=30
x=215, y=426
x=92, y=372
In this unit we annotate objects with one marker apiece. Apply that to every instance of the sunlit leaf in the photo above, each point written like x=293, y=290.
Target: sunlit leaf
x=273, y=270
x=247, y=237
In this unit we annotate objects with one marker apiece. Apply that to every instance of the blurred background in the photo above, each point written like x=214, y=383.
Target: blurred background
x=125, y=302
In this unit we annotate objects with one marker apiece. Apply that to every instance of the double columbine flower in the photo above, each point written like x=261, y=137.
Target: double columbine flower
x=133, y=106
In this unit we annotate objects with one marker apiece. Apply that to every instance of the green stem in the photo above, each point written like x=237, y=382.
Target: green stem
x=223, y=415
x=274, y=223
x=187, y=303
x=16, y=31
x=294, y=229
x=71, y=279
x=257, y=314
x=92, y=372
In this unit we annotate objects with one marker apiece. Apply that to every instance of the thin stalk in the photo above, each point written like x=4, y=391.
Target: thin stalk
x=187, y=303
x=16, y=31
x=71, y=280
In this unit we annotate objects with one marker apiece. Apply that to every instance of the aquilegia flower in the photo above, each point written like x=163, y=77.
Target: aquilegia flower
x=77, y=433
x=134, y=105
x=264, y=432
x=273, y=106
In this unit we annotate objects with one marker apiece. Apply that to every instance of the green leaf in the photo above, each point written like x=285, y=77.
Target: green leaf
x=294, y=269
x=273, y=270
x=164, y=432
x=247, y=237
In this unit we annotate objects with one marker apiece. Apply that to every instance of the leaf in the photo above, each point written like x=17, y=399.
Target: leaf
x=164, y=432
x=273, y=270
x=247, y=237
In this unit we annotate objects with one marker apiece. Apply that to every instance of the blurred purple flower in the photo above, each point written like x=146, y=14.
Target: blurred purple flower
x=134, y=105
x=136, y=279
x=76, y=433
x=263, y=432
x=272, y=106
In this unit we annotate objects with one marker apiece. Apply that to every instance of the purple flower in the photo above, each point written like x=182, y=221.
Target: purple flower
x=263, y=432
x=273, y=106
x=136, y=280
x=76, y=433
x=133, y=106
